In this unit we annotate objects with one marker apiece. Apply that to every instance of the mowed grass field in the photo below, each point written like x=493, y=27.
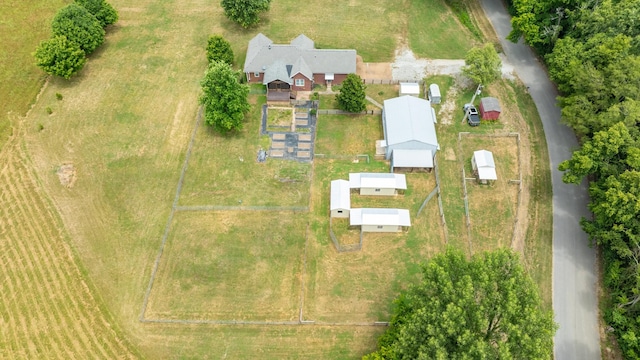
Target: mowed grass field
x=124, y=123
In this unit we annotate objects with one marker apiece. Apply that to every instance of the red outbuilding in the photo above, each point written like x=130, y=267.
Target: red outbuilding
x=489, y=108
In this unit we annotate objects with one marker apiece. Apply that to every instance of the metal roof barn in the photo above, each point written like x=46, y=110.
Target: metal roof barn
x=401, y=158
x=380, y=220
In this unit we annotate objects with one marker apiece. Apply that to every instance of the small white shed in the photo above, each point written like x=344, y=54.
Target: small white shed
x=483, y=165
x=340, y=199
x=412, y=89
x=382, y=184
x=434, y=94
x=380, y=220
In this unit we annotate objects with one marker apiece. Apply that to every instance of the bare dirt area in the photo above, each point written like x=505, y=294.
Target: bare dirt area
x=368, y=70
x=67, y=175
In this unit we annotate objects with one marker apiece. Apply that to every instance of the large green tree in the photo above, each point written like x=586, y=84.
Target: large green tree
x=482, y=64
x=219, y=49
x=352, y=97
x=59, y=56
x=485, y=308
x=79, y=26
x=224, y=98
x=102, y=10
x=245, y=12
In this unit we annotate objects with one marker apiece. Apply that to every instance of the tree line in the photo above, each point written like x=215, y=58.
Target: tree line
x=77, y=30
x=592, y=50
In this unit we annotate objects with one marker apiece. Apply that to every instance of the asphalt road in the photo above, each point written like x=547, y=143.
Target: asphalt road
x=574, y=270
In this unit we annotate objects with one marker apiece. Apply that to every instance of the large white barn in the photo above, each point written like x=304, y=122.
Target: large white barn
x=409, y=125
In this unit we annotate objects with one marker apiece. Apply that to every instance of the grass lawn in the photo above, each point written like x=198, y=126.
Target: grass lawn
x=434, y=32
x=332, y=139
x=231, y=265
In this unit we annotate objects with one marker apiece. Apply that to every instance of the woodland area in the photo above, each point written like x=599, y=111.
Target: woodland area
x=592, y=50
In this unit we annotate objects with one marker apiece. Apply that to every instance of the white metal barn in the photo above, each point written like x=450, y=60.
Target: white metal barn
x=409, y=124
x=410, y=160
x=434, y=94
x=340, y=199
x=412, y=89
x=483, y=166
x=382, y=184
x=380, y=220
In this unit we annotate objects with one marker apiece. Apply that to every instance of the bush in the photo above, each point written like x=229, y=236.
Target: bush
x=78, y=25
x=58, y=96
x=102, y=10
x=59, y=56
x=219, y=49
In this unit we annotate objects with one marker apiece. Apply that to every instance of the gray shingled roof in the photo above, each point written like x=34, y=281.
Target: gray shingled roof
x=303, y=42
x=277, y=71
x=409, y=118
x=262, y=53
x=300, y=66
x=490, y=104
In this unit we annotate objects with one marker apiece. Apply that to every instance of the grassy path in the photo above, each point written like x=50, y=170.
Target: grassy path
x=47, y=306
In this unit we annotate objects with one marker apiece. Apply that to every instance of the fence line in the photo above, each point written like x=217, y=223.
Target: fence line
x=167, y=227
x=390, y=81
x=240, y=208
x=343, y=157
x=466, y=210
x=442, y=218
x=342, y=112
x=424, y=203
x=340, y=247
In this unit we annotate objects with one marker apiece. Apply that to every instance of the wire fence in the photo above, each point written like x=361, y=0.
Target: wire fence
x=442, y=218
x=518, y=181
x=344, y=157
x=342, y=112
x=343, y=247
x=389, y=81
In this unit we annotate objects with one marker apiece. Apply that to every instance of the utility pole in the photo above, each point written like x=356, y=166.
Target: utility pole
x=478, y=91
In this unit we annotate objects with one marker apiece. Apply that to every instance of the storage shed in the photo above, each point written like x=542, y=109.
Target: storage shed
x=409, y=124
x=340, y=199
x=484, y=168
x=382, y=184
x=412, y=89
x=434, y=94
x=380, y=220
x=489, y=108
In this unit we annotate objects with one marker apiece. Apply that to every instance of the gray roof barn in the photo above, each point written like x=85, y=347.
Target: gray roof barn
x=301, y=53
x=409, y=124
x=379, y=216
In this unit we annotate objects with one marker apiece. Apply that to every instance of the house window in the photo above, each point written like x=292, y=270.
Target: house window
x=379, y=226
x=256, y=74
x=299, y=82
x=377, y=190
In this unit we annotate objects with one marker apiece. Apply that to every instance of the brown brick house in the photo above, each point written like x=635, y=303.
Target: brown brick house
x=288, y=68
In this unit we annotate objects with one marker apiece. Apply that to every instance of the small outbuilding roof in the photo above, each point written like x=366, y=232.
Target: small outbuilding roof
x=485, y=165
x=340, y=195
x=409, y=88
x=372, y=216
x=377, y=180
x=407, y=158
x=434, y=90
x=490, y=104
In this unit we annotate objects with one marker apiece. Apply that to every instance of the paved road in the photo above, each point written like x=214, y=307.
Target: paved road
x=574, y=274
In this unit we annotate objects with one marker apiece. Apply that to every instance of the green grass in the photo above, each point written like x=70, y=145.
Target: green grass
x=225, y=265
x=23, y=25
x=332, y=139
x=433, y=31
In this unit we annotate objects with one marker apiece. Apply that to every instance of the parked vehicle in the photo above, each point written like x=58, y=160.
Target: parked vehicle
x=473, y=117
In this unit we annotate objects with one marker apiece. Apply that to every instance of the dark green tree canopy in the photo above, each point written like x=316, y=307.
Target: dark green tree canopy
x=245, y=12
x=224, y=98
x=78, y=25
x=102, y=10
x=485, y=308
x=219, y=49
x=482, y=65
x=352, y=97
x=59, y=56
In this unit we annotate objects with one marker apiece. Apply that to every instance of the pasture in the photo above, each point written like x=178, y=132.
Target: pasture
x=125, y=124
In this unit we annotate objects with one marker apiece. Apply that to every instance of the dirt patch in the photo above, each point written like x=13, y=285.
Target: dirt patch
x=373, y=70
x=67, y=175
x=449, y=154
x=447, y=109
